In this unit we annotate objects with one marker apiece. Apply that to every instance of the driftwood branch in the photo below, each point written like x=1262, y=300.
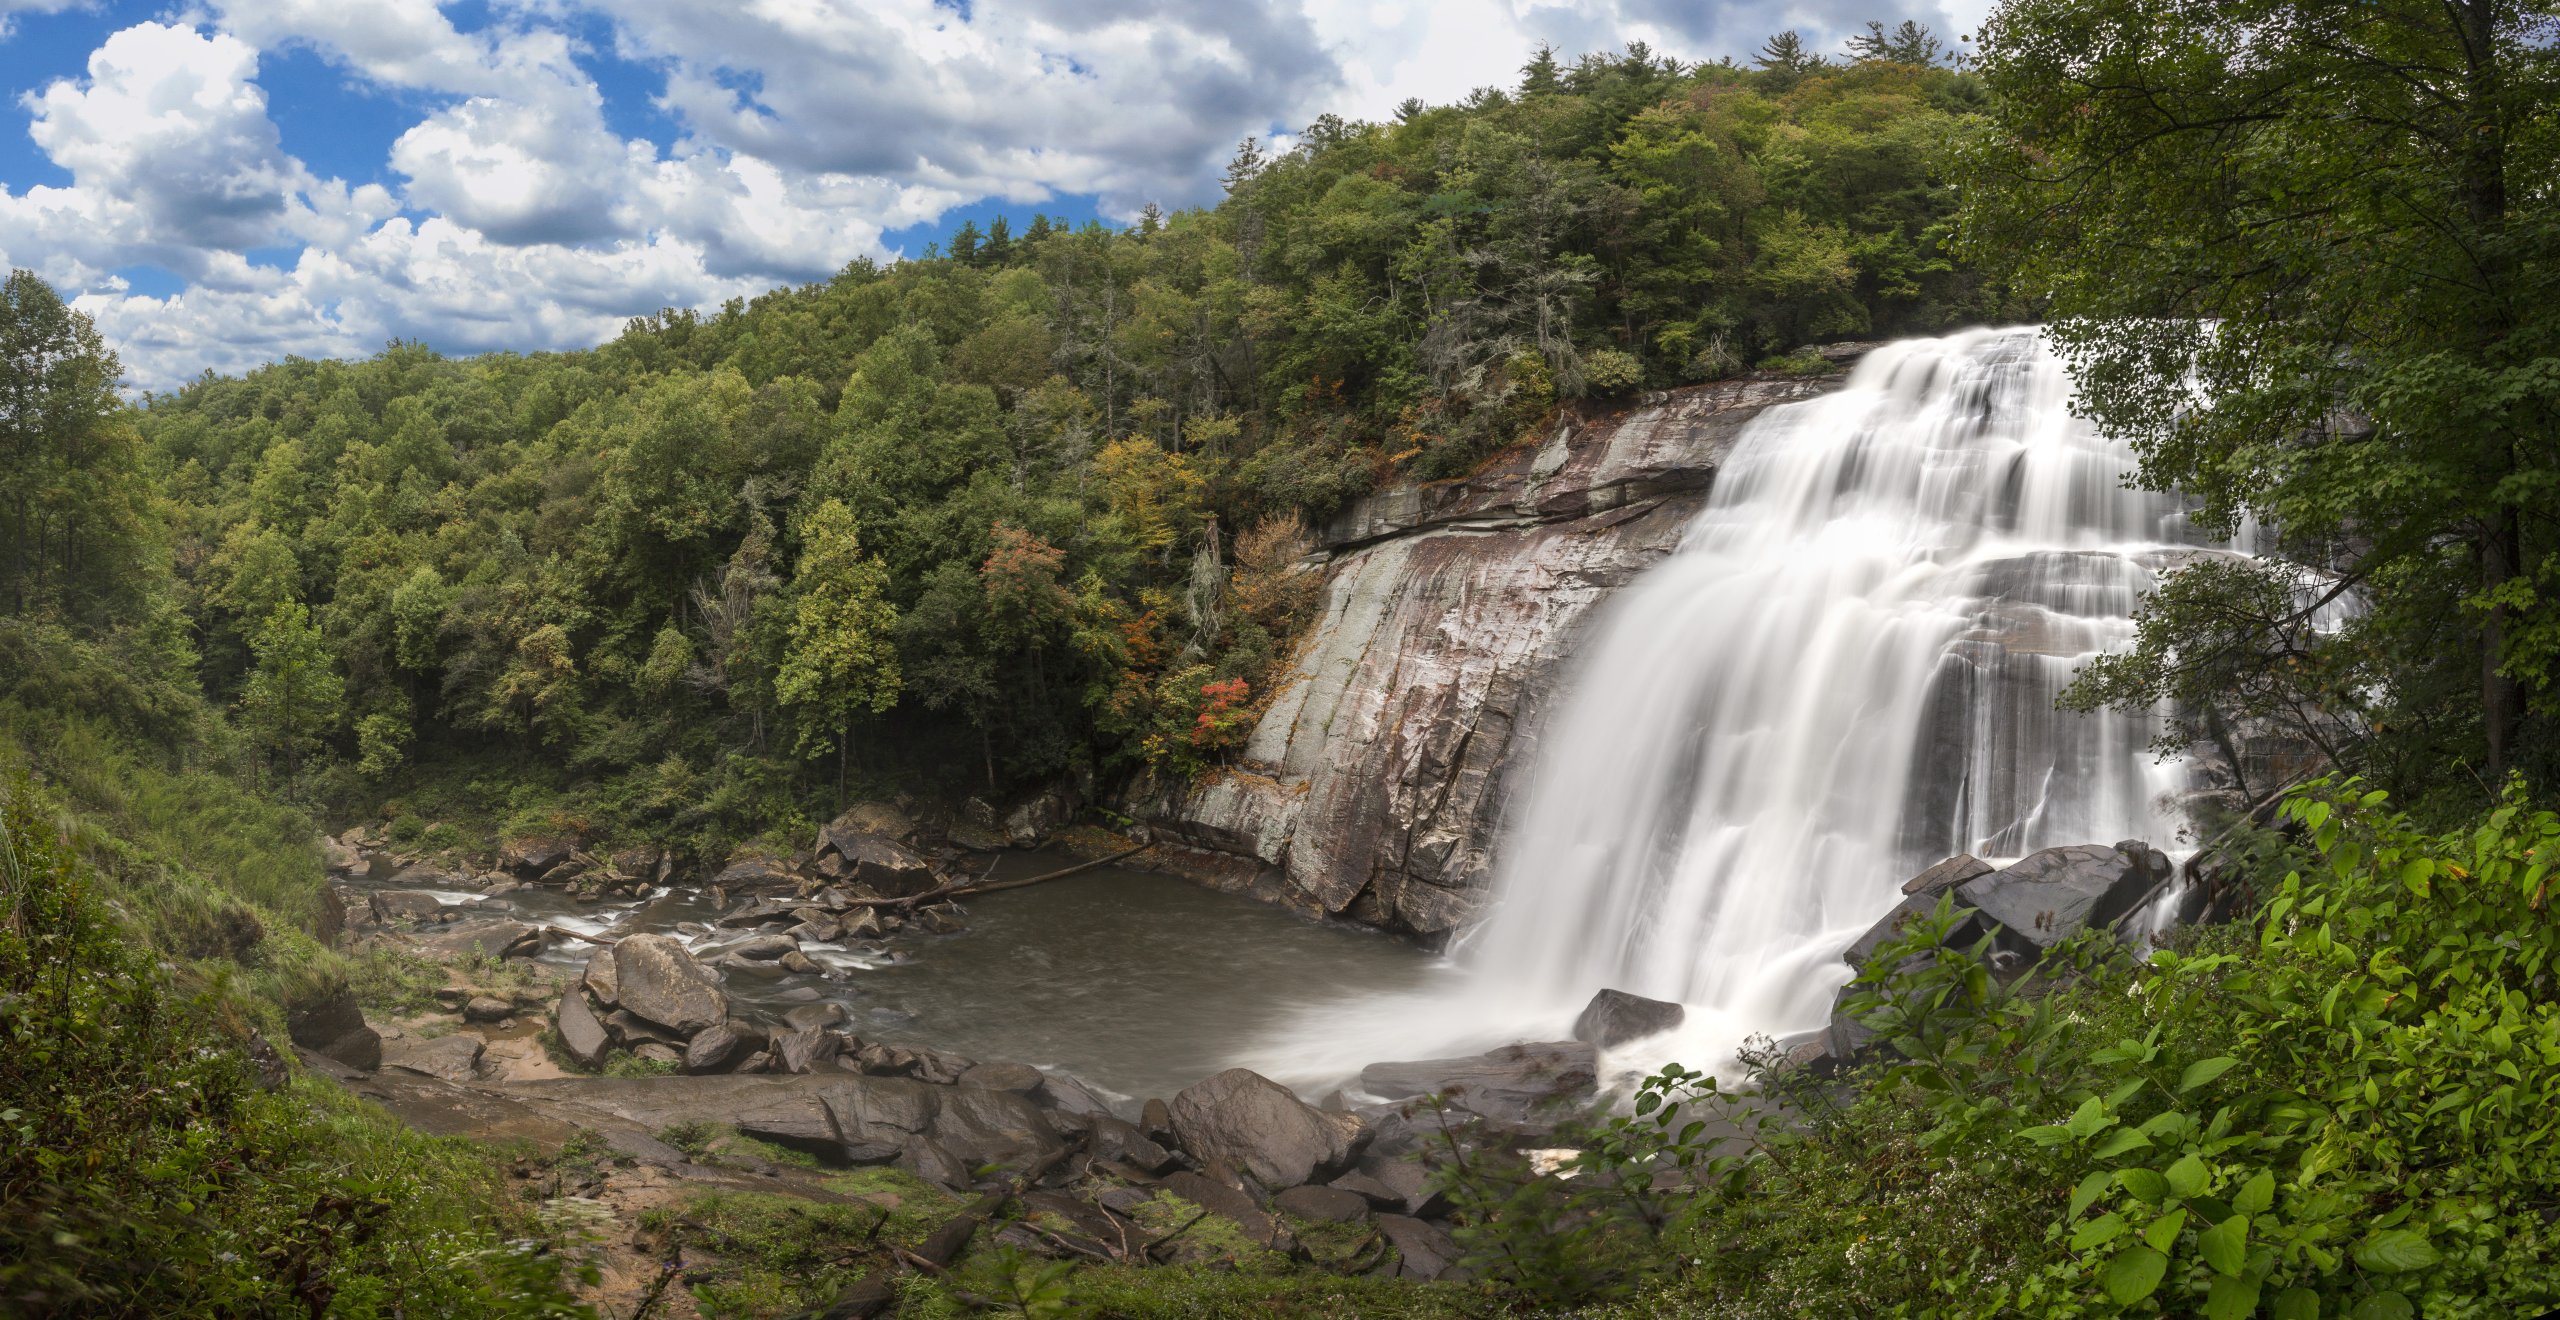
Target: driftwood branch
x=988, y=887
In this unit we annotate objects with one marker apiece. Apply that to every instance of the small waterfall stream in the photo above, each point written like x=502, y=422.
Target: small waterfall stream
x=1847, y=672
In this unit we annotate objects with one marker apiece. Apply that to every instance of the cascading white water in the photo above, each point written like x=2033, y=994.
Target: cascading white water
x=1847, y=672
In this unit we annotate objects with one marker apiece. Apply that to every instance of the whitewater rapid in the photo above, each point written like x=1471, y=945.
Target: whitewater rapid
x=1845, y=673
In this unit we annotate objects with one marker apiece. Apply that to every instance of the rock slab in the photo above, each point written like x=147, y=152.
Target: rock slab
x=1262, y=1130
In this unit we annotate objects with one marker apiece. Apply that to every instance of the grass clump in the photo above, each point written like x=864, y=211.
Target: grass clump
x=150, y=1171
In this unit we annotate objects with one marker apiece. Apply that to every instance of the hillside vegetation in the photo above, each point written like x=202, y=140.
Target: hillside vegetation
x=1025, y=509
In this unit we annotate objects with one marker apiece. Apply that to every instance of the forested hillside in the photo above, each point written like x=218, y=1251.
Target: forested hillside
x=1027, y=508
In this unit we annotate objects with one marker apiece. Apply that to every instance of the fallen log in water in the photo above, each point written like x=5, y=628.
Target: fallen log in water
x=989, y=887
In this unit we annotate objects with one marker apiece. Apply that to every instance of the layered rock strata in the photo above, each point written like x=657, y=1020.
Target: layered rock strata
x=1373, y=785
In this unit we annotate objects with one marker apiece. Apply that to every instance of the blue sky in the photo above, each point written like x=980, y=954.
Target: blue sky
x=224, y=182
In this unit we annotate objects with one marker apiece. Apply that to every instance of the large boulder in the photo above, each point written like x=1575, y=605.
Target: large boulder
x=983, y=1127
x=751, y=876
x=582, y=1033
x=882, y=819
x=341, y=858
x=1261, y=1130
x=713, y=1049
x=599, y=978
x=455, y=1057
x=394, y=905
x=1518, y=1085
x=334, y=1027
x=1614, y=1017
x=655, y=978
x=1947, y=874
x=2055, y=894
x=532, y=857
x=1970, y=926
x=877, y=1118
x=891, y=869
x=1423, y=1251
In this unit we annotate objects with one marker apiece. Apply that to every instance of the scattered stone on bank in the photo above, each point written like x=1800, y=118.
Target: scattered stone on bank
x=825, y=1013
x=599, y=977
x=484, y=1008
x=1614, y=1017
x=1019, y=1078
x=806, y=1050
x=1228, y=1203
x=1262, y=1130
x=334, y=1027
x=657, y=1053
x=656, y=979
x=395, y=905
x=715, y=1047
x=1423, y=1251
x=582, y=1034
x=454, y=1057
x=1322, y=1205
x=1517, y=1085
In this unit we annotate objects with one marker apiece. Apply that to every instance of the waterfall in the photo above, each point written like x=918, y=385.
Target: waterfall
x=1846, y=672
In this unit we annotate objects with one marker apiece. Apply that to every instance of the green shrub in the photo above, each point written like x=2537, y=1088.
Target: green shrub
x=145, y=1172
x=2345, y=1111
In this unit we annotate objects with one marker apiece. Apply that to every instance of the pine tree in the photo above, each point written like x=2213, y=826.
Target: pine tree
x=1787, y=60
x=1911, y=43
x=1040, y=229
x=999, y=247
x=964, y=244
x=1540, y=76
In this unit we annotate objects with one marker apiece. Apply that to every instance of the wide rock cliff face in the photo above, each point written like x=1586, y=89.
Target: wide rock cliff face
x=1373, y=786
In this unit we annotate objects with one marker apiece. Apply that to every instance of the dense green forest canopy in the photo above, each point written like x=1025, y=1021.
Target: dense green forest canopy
x=1024, y=509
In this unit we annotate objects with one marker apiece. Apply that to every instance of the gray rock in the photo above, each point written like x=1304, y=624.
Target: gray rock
x=1377, y=776
x=756, y=877
x=930, y=1160
x=1894, y=925
x=655, y=978
x=484, y=1008
x=876, y=1118
x=631, y=1029
x=882, y=819
x=598, y=977
x=2052, y=895
x=582, y=1033
x=1019, y=1078
x=657, y=1053
x=825, y=1014
x=1406, y=1184
x=891, y=869
x=882, y=1059
x=1614, y=1017
x=939, y=919
x=1262, y=1130
x=1219, y=1199
x=455, y=1058
x=333, y=1027
x=1069, y=1096
x=532, y=857
x=1520, y=1085
x=713, y=1048
x=799, y=963
x=419, y=875
x=942, y=1068
x=1423, y=1251
x=1947, y=874
x=1322, y=1205
x=1109, y=1138
x=395, y=905
x=984, y=1127
x=1370, y=1190
x=1155, y=1118
x=806, y=1050
x=762, y=948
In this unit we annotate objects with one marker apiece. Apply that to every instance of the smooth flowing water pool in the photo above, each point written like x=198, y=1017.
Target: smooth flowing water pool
x=1137, y=983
